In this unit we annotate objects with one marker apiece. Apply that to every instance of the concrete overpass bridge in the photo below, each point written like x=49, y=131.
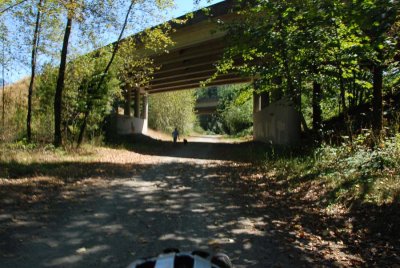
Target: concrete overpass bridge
x=198, y=45
x=206, y=105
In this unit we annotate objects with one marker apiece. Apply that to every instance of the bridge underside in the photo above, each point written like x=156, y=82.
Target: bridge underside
x=199, y=45
x=189, y=67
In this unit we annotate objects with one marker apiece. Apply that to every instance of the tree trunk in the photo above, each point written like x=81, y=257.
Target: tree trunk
x=128, y=100
x=3, y=118
x=286, y=64
x=33, y=73
x=377, y=106
x=89, y=104
x=316, y=105
x=342, y=102
x=60, y=84
x=342, y=91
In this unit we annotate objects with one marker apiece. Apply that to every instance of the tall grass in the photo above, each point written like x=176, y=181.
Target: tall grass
x=15, y=102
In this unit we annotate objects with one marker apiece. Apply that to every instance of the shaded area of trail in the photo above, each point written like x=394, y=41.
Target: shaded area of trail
x=203, y=147
x=106, y=215
x=132, y=204
x=110, y=222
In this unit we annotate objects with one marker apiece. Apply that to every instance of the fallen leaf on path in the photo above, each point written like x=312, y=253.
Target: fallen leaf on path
x=81, y=250
x=143, y=241
x=213, y=242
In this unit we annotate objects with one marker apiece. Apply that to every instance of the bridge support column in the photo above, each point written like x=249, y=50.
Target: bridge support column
x=128, y=100
x=137, y=103
x=264, y=99
x=256, y=102
x=145, y=103
x=138, y=123
x=260, y=100
x=276, y=122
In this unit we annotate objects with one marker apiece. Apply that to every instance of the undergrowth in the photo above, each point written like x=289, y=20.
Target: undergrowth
x=345, y=174
x=23, y=151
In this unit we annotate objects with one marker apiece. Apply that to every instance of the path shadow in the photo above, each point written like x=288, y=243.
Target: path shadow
x=75, y=214
x=139, y=210
x=249, y=151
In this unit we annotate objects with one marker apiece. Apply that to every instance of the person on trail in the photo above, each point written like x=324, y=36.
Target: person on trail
x=175, y=135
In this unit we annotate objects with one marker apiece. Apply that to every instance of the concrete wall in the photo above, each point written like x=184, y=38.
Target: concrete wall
x=278, y=123
x=131, y=125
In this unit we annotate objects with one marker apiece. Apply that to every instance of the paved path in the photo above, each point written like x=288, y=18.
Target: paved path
x=167, y=201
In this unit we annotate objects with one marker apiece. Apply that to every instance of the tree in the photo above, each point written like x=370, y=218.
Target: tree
x=8, y=5
x=291, y=46
x=35, y=42
x=3, y=65
x=61, y=77
x=102, y=78
x=234, y=112
x=76, y=10
x=100, y=12
x=375, y=18
x=44, y=94
x=134, y=69
x=235, y=109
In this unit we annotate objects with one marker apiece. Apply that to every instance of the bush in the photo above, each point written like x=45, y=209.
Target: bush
x=81, y=84
x=237, y=118
x=359, y=172
x=234, y=114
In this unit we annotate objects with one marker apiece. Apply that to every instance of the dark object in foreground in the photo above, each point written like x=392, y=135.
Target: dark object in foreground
x=172, y=258
x=185, y=141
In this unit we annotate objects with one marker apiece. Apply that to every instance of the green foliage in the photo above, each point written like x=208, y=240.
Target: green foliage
x=134, y=68
x=82, y=88
x=234, y=114
x=344, y=174
x=43, y=119
x=288, y=45
x=360, y=173
x=172, y=109
x=92, y=21
x=237, y=118
x=22, y=144
x=83, y=74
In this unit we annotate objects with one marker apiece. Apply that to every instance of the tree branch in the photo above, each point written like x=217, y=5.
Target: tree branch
x=12, y=6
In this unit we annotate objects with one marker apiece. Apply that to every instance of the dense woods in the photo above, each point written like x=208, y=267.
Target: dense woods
x=327, y=57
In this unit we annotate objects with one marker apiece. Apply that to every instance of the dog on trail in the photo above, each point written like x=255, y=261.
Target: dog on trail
x=185, y=141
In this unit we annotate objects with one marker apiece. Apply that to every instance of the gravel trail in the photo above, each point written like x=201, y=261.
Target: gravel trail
x=182, y=199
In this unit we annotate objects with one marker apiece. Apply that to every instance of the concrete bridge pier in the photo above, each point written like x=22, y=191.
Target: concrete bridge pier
x=138, y=122
x=277, y=123
x=260, y=101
